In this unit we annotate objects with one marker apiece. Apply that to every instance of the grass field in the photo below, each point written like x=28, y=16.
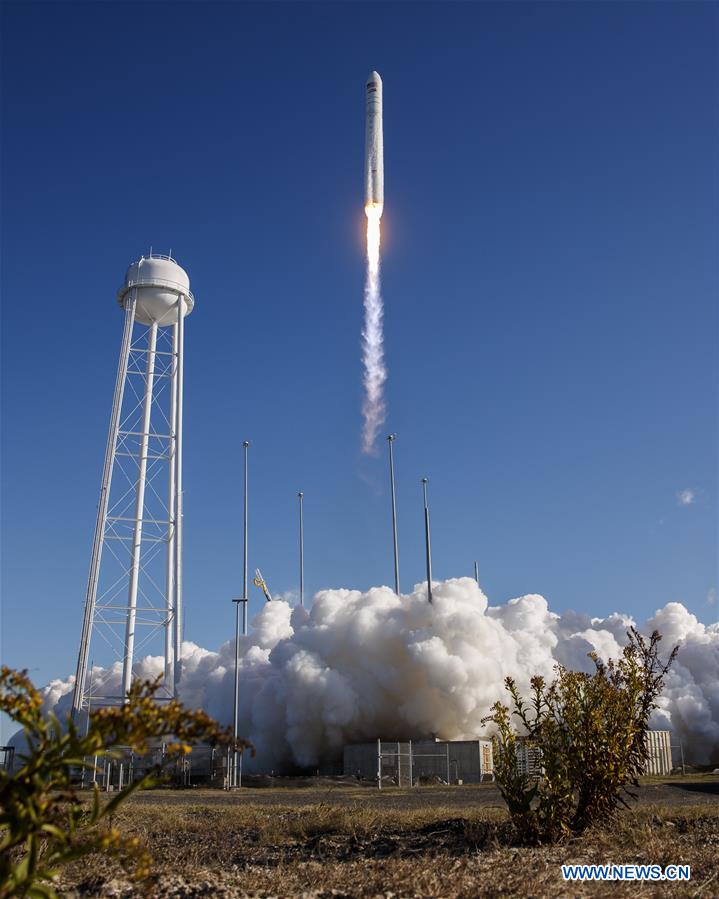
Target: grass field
x=325, y=841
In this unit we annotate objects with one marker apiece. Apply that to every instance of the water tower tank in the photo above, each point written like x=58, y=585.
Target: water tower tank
x=159, y=282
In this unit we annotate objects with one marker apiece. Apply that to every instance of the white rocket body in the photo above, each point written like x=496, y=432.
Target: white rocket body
x=374, y=150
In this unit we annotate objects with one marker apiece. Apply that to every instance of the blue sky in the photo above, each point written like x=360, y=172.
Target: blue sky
x=549, y=271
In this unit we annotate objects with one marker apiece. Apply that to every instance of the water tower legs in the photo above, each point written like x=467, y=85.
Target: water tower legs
x=134, y=591
x=178, y=381
x=78, y=696
x=139, y=512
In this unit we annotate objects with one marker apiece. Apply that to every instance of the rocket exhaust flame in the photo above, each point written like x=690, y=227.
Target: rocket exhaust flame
x=373, y=211
x=375, y=373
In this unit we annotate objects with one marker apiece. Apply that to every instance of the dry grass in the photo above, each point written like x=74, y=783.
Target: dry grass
x=271, y=824
x=321, y=850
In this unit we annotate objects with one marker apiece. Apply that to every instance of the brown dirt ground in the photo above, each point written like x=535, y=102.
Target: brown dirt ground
x=339, y=841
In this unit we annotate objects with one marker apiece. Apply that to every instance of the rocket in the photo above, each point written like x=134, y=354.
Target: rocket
x=374, y=151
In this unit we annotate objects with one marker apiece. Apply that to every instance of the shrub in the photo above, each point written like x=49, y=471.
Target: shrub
x=589, y=731
x=44, y=822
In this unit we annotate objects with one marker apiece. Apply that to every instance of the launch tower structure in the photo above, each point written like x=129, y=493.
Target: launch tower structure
x=134, y=592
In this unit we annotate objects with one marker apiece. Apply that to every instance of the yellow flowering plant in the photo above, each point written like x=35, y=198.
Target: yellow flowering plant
x=44, y=820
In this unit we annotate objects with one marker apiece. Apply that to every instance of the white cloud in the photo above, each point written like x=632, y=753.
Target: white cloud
x=687, y=496
x=291, y=597
x=357, y=665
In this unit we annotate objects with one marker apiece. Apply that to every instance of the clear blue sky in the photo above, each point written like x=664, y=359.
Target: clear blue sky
x=550, y=277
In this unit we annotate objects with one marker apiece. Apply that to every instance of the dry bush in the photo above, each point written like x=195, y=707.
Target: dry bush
x=590, y=732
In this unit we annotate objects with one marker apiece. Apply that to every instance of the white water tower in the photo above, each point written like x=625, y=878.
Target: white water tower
x=134, y=591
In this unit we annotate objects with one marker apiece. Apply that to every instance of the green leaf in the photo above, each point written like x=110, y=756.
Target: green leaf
x=41, y=891
x=55, y=831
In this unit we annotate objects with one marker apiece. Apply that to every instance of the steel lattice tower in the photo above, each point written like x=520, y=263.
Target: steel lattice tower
x=134, y=591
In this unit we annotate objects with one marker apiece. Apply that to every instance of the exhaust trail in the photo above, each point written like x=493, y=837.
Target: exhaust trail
x=375, y=371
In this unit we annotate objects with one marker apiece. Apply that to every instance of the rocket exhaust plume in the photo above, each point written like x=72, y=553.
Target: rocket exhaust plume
x=375, y=372
x=358, y=665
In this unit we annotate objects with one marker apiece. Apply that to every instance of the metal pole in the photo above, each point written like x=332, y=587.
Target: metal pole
x=476, y=573
x=87, y=721
x=379, y=764
x=449, y=776
x=245, y=446
x=170, y=574
x=301, y=497
x=179, y=498
x=233, y=777
x=390, y=440
x=411, y=774
x=428, y=549
x=93, y=576
x=139, y=513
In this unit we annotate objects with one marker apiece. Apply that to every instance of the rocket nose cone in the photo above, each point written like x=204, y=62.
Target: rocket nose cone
x=374, y=76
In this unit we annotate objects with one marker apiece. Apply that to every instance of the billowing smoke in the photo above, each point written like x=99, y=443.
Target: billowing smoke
x=375, y=373
x=358, y=666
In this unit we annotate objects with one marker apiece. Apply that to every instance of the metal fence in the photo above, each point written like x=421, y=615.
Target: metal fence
x=205, y=766
x=7, y=757
x=413, y=763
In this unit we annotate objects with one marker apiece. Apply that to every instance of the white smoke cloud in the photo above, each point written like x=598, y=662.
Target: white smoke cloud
x=361, y=665
x=686, y=497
